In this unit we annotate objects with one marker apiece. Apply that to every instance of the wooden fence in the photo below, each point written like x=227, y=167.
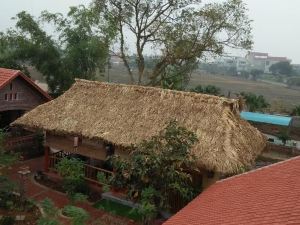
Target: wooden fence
x=19, y=141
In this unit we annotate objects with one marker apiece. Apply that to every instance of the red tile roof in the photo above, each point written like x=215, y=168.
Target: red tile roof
x=270, y=195
x=7, y=75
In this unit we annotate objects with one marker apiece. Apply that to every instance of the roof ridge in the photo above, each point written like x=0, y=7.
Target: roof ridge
x=187, y=93
x=258, y=169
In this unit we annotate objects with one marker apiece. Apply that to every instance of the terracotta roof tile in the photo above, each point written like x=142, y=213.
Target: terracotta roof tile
x=270, y=195
x=7, y=75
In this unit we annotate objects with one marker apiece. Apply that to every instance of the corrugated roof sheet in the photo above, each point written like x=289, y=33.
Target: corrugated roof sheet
x=266, y=118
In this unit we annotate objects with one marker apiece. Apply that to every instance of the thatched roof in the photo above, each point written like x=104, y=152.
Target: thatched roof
x=128, y=114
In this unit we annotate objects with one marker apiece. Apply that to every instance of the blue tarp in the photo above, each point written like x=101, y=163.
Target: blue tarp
x=266, y=118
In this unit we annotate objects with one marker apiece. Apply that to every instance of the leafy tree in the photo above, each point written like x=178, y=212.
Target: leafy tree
x=283, y=68
x=254, y=102
x=296, y=111
x=79, y=48
x=209, y=89
x=181, y=31
x=177, y=77
x=255, y=73
x=156, y=168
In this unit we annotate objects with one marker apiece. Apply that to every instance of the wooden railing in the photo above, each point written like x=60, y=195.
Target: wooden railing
x=17, y=141
x=90, y=172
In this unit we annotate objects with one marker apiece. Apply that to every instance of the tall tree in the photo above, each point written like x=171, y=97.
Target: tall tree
x=182, y=31
x=158, y=167
x=79, y=47
x=282, y=68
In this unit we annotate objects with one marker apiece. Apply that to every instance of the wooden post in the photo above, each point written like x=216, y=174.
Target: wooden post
x=47, y=158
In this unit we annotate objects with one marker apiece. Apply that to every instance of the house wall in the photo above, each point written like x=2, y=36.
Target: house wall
x=26, y=99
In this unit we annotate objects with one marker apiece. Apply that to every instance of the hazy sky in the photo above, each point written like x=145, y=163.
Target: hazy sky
x=276, y=27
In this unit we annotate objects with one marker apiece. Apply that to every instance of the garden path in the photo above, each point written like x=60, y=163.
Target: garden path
x=37, y=192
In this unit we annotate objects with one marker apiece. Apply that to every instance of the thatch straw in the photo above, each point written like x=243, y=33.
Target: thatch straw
x=128, y=114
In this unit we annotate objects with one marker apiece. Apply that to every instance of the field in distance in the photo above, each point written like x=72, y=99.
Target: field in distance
x=278, y=95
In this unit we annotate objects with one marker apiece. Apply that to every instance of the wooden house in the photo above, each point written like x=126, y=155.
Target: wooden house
x=94, y=119
x=18, y=94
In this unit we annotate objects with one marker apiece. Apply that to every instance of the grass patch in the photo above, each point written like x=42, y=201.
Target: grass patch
x=118, y=209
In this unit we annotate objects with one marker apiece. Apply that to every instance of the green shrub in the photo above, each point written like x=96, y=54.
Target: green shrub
x=47, y=221
x=7, y=220
x=49, y=207
x=72, y=170
x=78, y=215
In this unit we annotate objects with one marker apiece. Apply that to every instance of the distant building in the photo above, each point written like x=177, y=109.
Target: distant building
x=263, y=61
x=239, y=63
x=269, y=195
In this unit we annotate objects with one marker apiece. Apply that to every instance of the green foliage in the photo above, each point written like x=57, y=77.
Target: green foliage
x=79, y=216
x=7, y=220
x=177, y=77
x=104, y=180
x=51, y=213
x=255, y=73
x=72, y=170
x=155, y=169
x=49, y=208
x=6, y=158
x=254, y=102
x=183, y=31
x=78, y=50
x=118, y=209
x=78, y=197
x=47, y=221
x=148, y=209
x=209, y=89
x=296, y=111
x=283, y=68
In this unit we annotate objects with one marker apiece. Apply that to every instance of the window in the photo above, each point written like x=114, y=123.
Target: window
x=11, y=86
x=15, y=96
x=10, y=96
x=5, y=97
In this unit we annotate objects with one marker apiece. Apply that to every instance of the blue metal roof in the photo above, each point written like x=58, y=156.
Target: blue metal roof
x=266, y=118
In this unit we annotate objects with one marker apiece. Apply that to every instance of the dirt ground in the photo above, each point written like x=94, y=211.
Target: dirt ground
x=278, y=95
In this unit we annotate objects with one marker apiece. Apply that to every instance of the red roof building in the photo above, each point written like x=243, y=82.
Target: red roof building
x=269, y=195
x=8, y=75
x=18, y=94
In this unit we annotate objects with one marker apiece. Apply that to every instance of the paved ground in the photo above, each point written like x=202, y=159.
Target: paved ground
x=39, y=193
